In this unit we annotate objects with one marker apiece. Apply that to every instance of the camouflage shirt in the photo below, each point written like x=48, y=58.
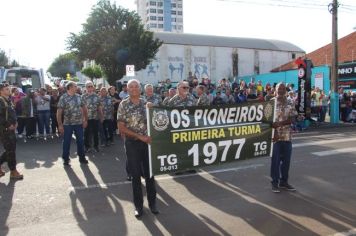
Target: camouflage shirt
x=108, y=107
x=155, y=99
x=134, y=116
x=72, y=111
x=177, y=101
x=92, y=101
x=7, y=113
x=285, y=110
x=203, y=100
x=165, y=101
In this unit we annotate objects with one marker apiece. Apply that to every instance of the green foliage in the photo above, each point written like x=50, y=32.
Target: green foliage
x=64, y=64
x=14, y=63
x=93, y=72
x=4, y=60
x=114, y=37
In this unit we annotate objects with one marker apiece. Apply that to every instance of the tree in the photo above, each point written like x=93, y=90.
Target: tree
x=93, y=72
x=14, y=63
x=4, y=60
x=64, y=64
x=114, y=37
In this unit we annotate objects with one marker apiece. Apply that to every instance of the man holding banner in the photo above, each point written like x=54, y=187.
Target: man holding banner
x=133, y=125
x=282, y=147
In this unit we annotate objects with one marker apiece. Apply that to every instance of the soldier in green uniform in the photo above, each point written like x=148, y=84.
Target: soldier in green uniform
x=7, y=132
x=203, y=99
x=183, y=98
x=152, y=97
x=132, y=122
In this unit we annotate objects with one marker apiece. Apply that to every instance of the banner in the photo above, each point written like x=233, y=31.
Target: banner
x=194, y=137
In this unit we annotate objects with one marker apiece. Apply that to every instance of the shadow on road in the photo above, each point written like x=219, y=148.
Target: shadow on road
x=6, y=198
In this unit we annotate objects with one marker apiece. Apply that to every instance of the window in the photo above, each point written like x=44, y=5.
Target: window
x=153, y=25
x=174, y=20
x=180, y=20
x=153, y=3
x=174, y=27
x=160, y=11
x=174, y=5
x=180, y=27
x=153, y=18
x=152, y=10
x=180, y=5
x=293, y=56
x=160, y=26
x=173, y=12
x=160, y=18
x=179, y=13
x=160, y=4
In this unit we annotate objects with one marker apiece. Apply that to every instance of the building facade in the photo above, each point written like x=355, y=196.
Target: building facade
x=215, y=57
x=161, y=15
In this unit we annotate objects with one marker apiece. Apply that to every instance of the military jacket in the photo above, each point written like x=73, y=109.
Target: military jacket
x=72, y=111
x=92, y=101
x=177, y=101
x=108, y=107
x=133, y=115
x=285, y=110
x=7, y=113
x=155, y=99
x=203, y=100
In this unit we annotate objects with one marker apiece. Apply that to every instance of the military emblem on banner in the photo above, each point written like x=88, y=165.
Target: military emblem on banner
x=160, y=120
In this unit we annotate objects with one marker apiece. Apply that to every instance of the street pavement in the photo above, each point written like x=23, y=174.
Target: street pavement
x=231, y=199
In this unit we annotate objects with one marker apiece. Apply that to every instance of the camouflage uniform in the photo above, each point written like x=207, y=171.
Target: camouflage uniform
x=73, y=123
x=203, y=100
x=282, y=147
x=108, y=111
x=177, y=101
x=134, y=118
x=155, y=99
x=71, y=109
x=8, y=137
x=165, y=101
x=92, y=102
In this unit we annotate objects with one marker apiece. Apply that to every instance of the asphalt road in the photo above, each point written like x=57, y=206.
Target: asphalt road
x=233, y=199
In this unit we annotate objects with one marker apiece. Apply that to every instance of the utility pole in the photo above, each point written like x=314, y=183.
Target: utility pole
x=334, y=96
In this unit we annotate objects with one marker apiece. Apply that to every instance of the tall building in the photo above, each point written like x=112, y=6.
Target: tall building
x=161, y=15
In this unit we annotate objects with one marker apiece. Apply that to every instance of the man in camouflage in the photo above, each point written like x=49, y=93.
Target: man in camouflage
x=132, y=122
x=108, y=111
x=92, y=102
x=203, y=99
x=151, y=97
x=75, y=114
x=183, y=98
x=171, y=93
x=7, y=132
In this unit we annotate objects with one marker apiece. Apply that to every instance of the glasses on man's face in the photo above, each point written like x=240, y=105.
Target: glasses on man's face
x=90, y=86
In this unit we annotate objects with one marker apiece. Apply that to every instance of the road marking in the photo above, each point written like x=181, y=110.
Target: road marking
x=316, y=143
x=105, y=185
x=351, y=232
x=334, y=151
x=319, y=136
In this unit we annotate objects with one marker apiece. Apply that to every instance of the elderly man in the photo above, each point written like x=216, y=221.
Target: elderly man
x=183, y=97
x=92, y=102
x=171, y=93
x=203, y=99
x=75, y=114
x=133, y=125
x=152, y=97
x=282, y=147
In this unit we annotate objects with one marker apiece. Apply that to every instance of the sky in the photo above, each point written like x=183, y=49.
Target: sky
x=34, y=32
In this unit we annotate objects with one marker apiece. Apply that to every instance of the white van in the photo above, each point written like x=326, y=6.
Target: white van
x=24, y=77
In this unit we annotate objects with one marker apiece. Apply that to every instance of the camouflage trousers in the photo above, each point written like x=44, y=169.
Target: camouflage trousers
x=8, y=139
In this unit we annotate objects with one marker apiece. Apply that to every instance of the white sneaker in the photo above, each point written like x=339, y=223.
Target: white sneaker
x=20, y=136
